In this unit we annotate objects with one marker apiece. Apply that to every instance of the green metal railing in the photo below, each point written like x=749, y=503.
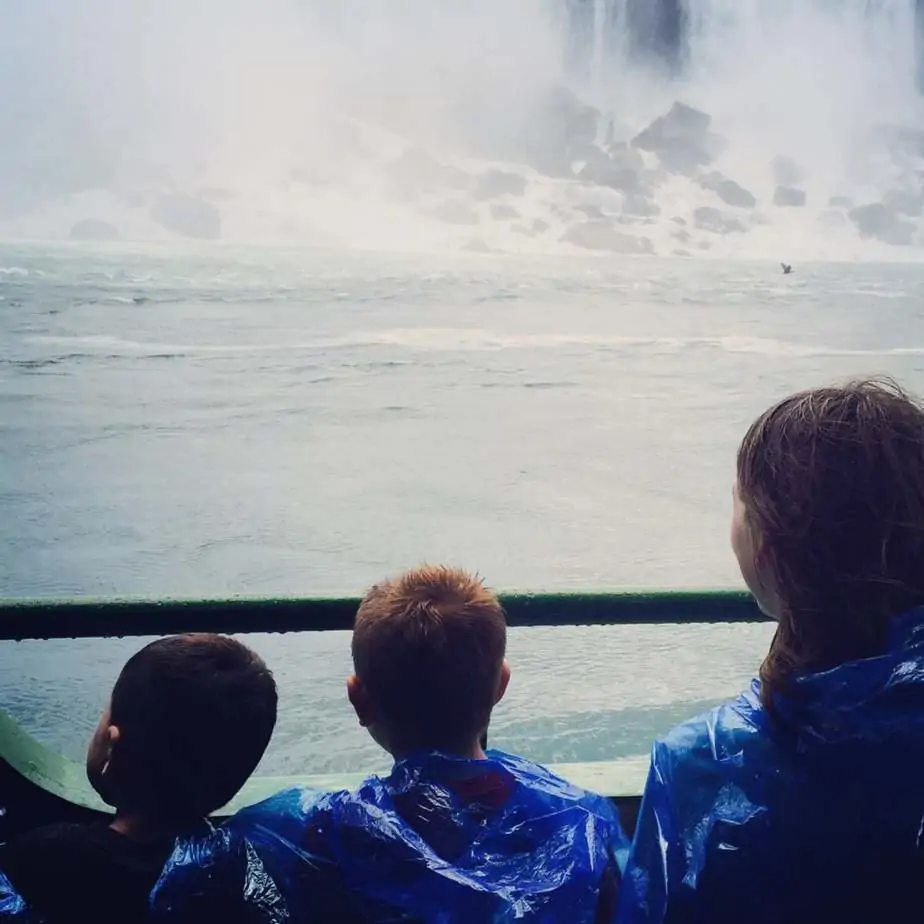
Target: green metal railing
x=93, y=618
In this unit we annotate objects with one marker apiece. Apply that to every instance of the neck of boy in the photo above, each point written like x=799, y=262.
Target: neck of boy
x=146, y=828
x=470, y=751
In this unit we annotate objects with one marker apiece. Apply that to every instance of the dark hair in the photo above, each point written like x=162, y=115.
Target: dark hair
x=832, y=481
x=195, y=713
x=429, y=647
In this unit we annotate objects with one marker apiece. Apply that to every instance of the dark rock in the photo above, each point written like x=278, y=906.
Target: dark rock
x=684, y=160
x=677, y=220
x=786, y=172
x=600, y=235
x=496, y=183
x=577, y=120
x=707, y=218
x=556, y=128
x=840, y=202
x=610, y=175
x=787, y=197
x=904, y=203
x=592, y=156
x=502, y=212
x=681, y=139
x=730, y=192
x=93, y=229
x=681, y=121
x=187, y=216
x=640, y=207
x=876, y=221
x=626, y=157
x=832, y=220
x=907, y=141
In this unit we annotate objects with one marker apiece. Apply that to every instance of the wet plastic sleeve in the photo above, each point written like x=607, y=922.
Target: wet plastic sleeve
x=219, y=877
x=655, y=864
x=12, y=905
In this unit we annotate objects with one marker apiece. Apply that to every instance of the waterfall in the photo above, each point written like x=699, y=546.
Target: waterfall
x=500, y=125
x=678, y=34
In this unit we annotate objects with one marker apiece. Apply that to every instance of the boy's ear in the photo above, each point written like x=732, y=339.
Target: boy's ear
x=502, y=682
x=103, y=762
x=107, y=746
x=115, y=733
x=360, y=701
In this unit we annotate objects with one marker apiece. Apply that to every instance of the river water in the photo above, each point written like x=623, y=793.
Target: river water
x=223, y=420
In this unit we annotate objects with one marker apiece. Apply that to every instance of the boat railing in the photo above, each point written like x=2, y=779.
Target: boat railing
x=43, y=618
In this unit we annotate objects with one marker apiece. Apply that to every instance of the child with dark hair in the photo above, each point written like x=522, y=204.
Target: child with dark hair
x=188, y=721
x=802, y=800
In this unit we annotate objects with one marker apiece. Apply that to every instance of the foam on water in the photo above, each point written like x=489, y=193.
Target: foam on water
x=443, y=340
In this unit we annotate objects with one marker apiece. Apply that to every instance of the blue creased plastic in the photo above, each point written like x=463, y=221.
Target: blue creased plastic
x=813, y=815
x=12, y=906
x=440, y=839
x=216, y=877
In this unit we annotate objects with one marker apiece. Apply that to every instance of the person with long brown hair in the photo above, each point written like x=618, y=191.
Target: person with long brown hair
x=803, y=798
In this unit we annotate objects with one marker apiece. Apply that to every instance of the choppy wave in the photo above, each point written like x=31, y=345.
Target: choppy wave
x=436, y=340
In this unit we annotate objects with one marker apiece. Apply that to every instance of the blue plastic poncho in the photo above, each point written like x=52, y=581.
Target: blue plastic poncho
x=216, y=877
x=814, y=815
x=12, y=905
x=440, y=839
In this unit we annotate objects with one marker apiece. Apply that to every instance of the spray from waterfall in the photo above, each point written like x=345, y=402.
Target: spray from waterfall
x=627, y=126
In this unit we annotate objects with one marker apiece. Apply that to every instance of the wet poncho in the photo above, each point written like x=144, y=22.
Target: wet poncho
x=440, y=839
x=814, y=815
x=12, y=906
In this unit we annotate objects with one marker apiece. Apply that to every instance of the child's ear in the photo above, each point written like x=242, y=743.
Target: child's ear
x=502, y=682
x=108, y=747
x=359, y=699
x=103, y=761
x=114, y=734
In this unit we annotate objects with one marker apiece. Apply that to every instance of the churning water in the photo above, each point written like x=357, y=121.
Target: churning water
x=217, y=421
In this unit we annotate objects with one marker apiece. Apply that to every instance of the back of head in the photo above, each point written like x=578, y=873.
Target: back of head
x=428, y=647
x=832, y=481
x=195, y=715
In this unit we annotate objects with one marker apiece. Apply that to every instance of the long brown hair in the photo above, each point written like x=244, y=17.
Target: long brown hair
x=832, y=481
